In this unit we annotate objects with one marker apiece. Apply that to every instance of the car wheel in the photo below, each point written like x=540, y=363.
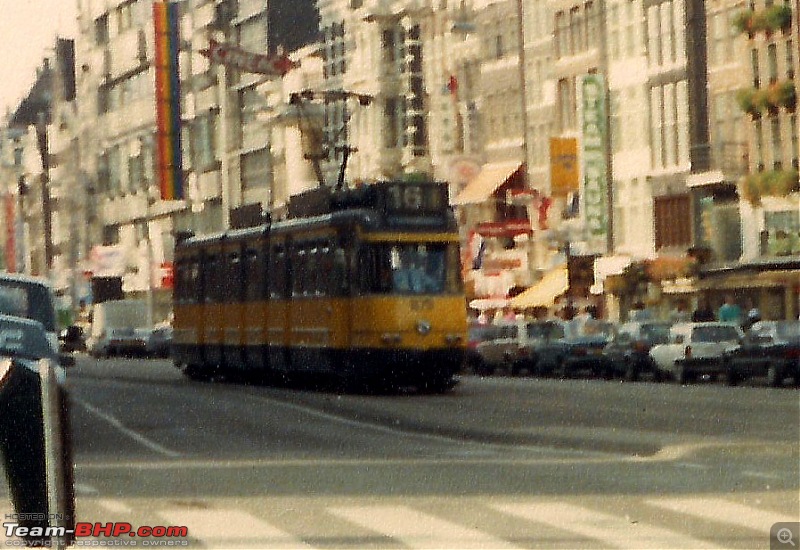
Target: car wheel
x=733, y=377
x=681, y=374
x=481, y=368
x=774, y=376
x=631, y=370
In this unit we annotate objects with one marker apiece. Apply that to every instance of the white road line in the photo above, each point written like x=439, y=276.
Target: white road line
x=230, y=528
x=399, y=432
x=418, y=530
x=610, y=531
x=760, y=475
x=723, y=511
x=136, y=436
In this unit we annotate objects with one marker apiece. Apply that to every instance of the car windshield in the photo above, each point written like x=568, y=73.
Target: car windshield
x=413, y=268
x=717, y=333
x=542, y=331
x=28, y=300
x=789, y=330
x=591, y=328
x=480, y=333
x=23, y=338
x=656, y=333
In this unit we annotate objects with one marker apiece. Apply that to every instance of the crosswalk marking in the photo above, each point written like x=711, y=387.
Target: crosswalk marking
x=230, y=528
x=657, y=522
x=723, y=511
x=418, y=530
x=610, y=531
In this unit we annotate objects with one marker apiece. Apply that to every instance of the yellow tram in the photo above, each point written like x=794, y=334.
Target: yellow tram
x=359, y=285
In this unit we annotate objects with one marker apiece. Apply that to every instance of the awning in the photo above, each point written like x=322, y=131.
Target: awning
x=553, y=284
x=491, y=176
x=482, y=304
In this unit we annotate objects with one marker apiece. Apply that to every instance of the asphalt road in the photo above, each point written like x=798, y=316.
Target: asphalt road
x=497, y=463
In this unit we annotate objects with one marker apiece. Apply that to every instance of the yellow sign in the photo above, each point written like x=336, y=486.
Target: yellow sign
x=564, y=167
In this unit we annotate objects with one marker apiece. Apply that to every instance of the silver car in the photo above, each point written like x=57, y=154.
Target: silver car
x=696, y=349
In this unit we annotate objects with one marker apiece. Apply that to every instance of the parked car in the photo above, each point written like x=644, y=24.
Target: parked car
x=121, y=342
x=770, y=349
x=580, y=349
x=159, y=341
x=696, y=349
x=540, y=335
x=512, y=346
x=628, y=351
x=498, y=348
x=476, y=334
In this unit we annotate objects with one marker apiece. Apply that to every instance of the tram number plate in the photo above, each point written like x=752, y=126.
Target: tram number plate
x=421, y=304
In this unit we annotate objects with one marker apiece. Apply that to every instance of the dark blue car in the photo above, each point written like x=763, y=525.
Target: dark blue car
x=580, y=350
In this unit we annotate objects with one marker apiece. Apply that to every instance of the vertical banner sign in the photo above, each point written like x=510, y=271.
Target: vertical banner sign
x=564, y=168
x=169, y=162
x=593, y=153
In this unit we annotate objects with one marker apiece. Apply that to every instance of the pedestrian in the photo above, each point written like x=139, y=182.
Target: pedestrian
x=730, y=312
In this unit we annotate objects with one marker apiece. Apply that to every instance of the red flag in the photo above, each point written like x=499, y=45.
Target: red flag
x=452, y=85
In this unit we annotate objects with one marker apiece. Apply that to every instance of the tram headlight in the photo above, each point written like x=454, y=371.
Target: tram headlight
x=424, y=327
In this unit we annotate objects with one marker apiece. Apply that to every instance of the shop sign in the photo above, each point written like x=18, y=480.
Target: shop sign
x=504, y=229
x=593, y=153
x=232, y=56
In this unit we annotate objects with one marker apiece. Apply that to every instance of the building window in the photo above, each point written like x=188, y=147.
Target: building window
x=629, y=24
x=789, y=59
x=561, y=38
x=566, y=100
x=754, y=67
x=124, y=14
x=101, y=30
x=592, y=24
x=672, y=221
x=615, y=116
x=772, y=62
x=777, y=149
x=255, y=169
x=204, y=141
x=136, y=172
x=253, y=35
x=613, y=32
x=759, y=141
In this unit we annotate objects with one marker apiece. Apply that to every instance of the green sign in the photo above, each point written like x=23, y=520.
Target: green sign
x=593, y=153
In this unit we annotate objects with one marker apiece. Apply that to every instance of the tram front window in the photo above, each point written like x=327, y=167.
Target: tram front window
x=407, y=269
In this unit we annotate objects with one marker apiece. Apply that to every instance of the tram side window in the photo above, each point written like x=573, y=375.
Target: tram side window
x=187, y=281
x=298, y=271
x=232, y=287
x=256, y=276
x=374, y=272
x=339, y=282
x=311, y=278
x=211, y=279
x=277, y=270
x=453, y=283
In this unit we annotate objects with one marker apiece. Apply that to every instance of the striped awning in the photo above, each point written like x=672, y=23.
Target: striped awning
x=491, y=176
x=551, y=286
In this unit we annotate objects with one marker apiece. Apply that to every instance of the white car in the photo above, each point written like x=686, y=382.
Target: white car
x=696, y=349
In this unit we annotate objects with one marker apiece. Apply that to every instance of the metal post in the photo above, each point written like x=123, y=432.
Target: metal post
x=58, y=507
